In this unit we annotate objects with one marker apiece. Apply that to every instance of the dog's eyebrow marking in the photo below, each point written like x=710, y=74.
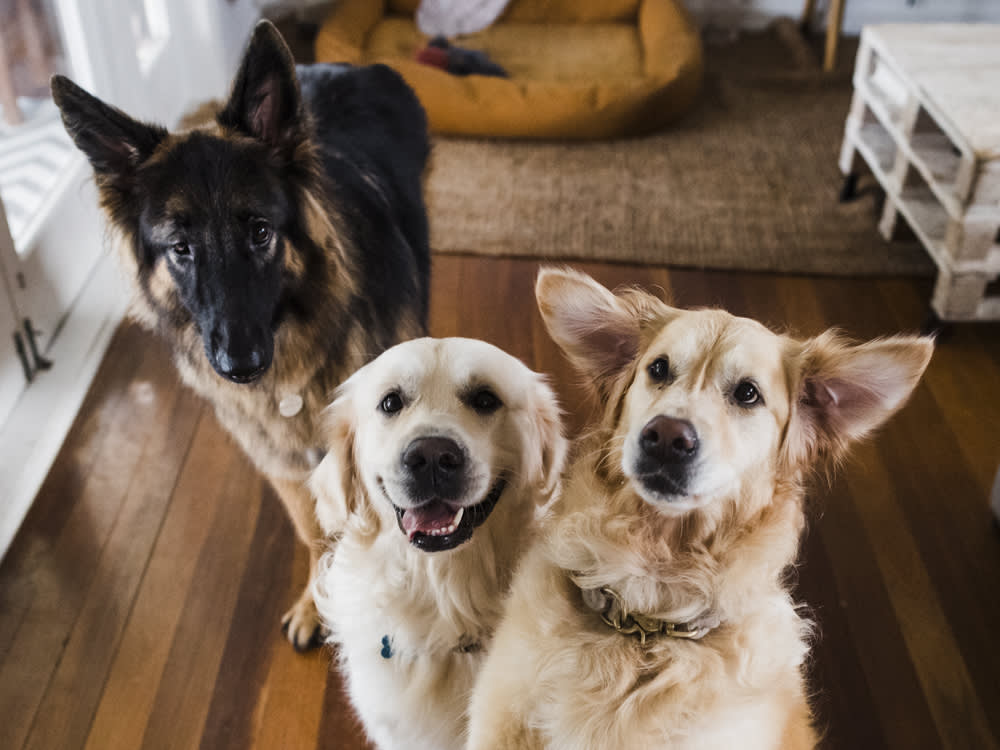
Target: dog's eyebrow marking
x=164, y=232
x=475, y=384
x=177, y=207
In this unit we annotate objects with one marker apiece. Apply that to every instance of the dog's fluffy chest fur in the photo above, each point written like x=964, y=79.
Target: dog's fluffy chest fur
x=606, y=689
x=287, y=447
x=594, y=687
x=412, y=630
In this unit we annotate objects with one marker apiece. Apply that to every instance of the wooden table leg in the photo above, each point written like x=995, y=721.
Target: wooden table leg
x=807, y=14
x=834, y=20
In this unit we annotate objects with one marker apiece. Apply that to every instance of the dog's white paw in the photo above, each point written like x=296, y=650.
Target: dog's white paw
x=301, y=624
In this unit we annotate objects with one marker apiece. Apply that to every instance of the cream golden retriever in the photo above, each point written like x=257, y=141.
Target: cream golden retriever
x=654, y=611
x=440, y=452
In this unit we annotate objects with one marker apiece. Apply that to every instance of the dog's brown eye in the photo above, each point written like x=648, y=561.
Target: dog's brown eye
x=391, y=403
x=485, y=401
x=181, y=249
x=659, y=370
x=260, y=232
x=746, y=393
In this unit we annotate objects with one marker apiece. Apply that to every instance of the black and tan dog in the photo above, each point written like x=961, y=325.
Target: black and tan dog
x=277, y=249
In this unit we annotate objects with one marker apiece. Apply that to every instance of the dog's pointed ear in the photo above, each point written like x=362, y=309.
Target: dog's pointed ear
x=544, y=449
x=114, y=143
x=842, y=392
x=265, y=102
x=598, y=330
x=335, y=483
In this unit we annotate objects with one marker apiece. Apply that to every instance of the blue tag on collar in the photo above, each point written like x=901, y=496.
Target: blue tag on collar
x=386, y=647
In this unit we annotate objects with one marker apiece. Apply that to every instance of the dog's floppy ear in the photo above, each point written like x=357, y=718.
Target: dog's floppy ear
x=544, y=447
x=335, y=483
x=265, y=102
x=114, y=143
x=841, y=392
x=596, y=329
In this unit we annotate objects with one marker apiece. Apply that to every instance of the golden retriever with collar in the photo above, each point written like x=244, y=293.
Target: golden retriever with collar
x=654, y=612
x=440, y=452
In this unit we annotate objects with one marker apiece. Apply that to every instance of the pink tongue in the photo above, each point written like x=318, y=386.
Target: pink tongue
x=435, y=515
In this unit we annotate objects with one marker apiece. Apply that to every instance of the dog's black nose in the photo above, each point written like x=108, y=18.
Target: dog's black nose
x=433, y=453
x=243, y=370
x=668, y=440
x=241, y=355
x=436, y=466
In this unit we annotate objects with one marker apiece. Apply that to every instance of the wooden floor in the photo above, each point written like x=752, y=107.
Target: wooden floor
x=139, y=604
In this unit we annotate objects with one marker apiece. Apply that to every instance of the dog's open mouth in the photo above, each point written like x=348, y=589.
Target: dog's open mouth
x=437, y=525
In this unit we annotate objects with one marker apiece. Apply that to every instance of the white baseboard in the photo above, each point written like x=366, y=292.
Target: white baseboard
x=751, y=14
x=34, y=432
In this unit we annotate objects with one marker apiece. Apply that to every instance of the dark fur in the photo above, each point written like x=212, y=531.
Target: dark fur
x=278, y=248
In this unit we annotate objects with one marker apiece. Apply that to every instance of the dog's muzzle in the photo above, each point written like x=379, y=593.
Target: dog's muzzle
x=438, y=525
x=668, y=448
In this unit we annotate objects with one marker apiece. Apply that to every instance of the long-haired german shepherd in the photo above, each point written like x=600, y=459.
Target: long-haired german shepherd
x=277, y=249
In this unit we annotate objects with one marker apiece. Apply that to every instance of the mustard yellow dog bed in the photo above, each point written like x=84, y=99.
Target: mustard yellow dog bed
x=578, y=68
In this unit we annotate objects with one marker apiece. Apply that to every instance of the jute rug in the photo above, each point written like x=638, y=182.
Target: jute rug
x=748, y=180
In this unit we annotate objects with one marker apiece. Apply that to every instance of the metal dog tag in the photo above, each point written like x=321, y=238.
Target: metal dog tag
x=290, y=405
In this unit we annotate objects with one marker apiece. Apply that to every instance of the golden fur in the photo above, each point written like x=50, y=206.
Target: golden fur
x=436, y=610
x=715, y=553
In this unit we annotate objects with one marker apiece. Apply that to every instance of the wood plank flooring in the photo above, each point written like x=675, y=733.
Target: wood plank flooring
x=139, y=604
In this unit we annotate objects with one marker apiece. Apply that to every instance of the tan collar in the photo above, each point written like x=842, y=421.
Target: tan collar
x=613, y=611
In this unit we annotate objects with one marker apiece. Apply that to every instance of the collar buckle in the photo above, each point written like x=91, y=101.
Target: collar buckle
x=617, y=616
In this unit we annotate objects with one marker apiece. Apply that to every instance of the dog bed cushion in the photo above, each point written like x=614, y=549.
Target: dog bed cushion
x=584, y=69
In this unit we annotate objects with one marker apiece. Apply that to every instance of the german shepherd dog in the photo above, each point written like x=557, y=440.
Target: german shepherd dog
x=277, y=249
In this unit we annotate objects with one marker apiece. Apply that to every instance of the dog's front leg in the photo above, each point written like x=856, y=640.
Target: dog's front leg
x=498, y=718
x=301, y=623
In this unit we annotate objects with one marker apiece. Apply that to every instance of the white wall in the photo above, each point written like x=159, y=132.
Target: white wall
x=226, y=26
x=236, y=20
x=758, y=13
